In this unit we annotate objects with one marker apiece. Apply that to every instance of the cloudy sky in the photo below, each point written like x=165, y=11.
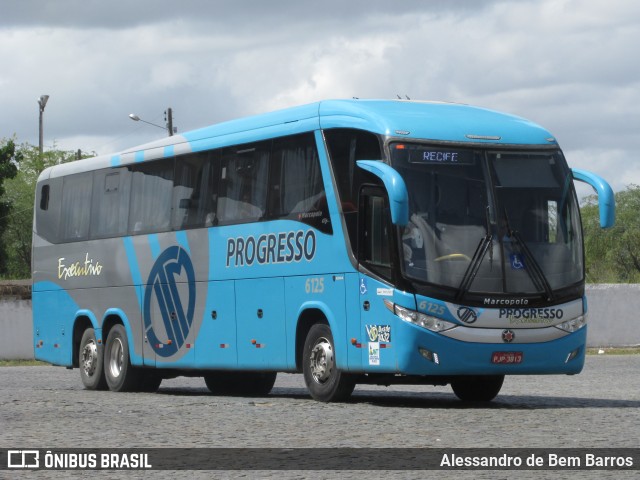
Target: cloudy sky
x=570, y=65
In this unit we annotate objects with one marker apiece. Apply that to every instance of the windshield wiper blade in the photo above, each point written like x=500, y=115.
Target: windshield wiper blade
x=535, y=272
x=532, y=267
x=474, y=266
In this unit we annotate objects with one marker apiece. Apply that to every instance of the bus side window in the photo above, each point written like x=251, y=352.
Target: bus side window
x=76, y=206
x=194, y=192
x=375, y=231
x=296, y=181
x=346, y=147
x=44, y=197
x=110, y=203
x=243, y=183
x=150, y=206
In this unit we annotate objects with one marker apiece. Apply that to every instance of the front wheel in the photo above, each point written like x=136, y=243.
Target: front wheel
x=324, y=380
x=90, y=361
x=121, y=376
x=481, y=388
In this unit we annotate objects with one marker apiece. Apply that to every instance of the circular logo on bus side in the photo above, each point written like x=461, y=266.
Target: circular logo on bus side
x=467, y=314
x=172, y=269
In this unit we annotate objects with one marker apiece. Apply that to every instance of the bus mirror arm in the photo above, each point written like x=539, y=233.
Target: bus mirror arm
x=606, y=198
x=395, y=187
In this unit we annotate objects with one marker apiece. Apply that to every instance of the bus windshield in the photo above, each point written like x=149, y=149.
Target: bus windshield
x=490, y=222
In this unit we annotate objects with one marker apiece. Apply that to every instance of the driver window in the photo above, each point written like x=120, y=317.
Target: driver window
x=376, y=234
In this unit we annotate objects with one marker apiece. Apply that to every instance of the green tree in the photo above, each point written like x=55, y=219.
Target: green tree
x=20, y=193
x=8, y=170
x=613, y=255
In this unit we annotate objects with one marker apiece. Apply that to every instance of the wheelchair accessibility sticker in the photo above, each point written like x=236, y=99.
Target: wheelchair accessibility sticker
x=517, y=262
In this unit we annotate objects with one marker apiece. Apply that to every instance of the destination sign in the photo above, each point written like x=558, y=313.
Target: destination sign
x=434, y=155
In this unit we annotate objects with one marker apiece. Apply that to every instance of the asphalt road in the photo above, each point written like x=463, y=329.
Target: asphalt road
x=47, y=407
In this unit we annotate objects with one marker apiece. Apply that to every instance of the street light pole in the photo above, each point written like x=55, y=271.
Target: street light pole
x=42, y=102
x=168, y=118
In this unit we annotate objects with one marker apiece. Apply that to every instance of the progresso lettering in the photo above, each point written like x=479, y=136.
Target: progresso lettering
x=531, y=315
x=271, y=248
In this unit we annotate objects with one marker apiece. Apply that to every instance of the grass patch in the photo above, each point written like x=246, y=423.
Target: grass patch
x=22, y=363
x=613, y=351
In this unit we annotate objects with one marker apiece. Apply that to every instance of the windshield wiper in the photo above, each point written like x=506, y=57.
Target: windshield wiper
x=532, y=267
x=474, y=266
x=476, y=261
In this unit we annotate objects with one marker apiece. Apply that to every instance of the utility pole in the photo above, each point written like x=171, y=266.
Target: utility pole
x=169, y=119
x=42, y=102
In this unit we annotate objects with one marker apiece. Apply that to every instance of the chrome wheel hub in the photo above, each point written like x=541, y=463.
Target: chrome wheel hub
x=90, y=358
x=321, y=361
x=116, y=358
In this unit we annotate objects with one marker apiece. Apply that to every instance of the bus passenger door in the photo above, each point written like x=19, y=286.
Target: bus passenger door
x=375, y=255
x=260, y=316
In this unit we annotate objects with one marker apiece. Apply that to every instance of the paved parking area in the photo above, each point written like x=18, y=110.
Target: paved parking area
x=47, y=407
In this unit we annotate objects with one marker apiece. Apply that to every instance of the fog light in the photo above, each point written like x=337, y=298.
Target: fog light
x=572, y=355
x=429, y=355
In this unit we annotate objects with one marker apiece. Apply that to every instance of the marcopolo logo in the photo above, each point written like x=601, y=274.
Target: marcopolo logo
x=172, y=267
x=467, y=314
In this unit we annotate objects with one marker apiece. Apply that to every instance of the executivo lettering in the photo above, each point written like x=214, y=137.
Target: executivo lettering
x=79, y=269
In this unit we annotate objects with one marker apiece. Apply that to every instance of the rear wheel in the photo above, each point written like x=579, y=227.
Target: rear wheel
x=324, y=381
x=90, y=361
x=481, y=388
x=121, y=376
x=240, y=383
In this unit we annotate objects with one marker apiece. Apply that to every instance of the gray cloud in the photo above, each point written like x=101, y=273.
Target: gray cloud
x=565, y=64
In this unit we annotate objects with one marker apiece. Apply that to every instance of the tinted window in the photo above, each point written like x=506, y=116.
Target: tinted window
x=152, y=190
x=76, y=205
x=345, y=148
x=110, y=204
x=194, y=191
x=243, y=183
x=297, y=189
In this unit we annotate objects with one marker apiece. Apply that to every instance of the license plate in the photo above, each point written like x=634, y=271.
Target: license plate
x=507, y=357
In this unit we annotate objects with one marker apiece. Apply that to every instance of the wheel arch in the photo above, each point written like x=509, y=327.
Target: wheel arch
x=84, y=319
x=115, y=316
x=310, y=314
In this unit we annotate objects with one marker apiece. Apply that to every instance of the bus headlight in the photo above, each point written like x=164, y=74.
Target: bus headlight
x=420, y=319
x=574, y=324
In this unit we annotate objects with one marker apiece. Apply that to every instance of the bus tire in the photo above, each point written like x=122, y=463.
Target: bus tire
x=90, y=361
x=324, y=380
x=480, y=388
x=249, y=384
x=120, y=374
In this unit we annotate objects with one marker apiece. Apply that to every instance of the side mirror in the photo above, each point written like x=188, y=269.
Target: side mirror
x=395, y=187
x=606, y=199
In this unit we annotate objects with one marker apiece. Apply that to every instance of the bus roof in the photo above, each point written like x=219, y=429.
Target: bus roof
x=437, y=121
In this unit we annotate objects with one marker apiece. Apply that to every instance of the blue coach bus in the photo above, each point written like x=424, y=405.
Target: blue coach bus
x=355, y=241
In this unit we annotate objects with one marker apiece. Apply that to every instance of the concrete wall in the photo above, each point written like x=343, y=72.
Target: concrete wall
x=613, y=312
x=16, y=329
x=613, y=315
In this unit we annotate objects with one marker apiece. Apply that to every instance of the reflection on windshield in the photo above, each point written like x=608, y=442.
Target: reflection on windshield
x=489, y=222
